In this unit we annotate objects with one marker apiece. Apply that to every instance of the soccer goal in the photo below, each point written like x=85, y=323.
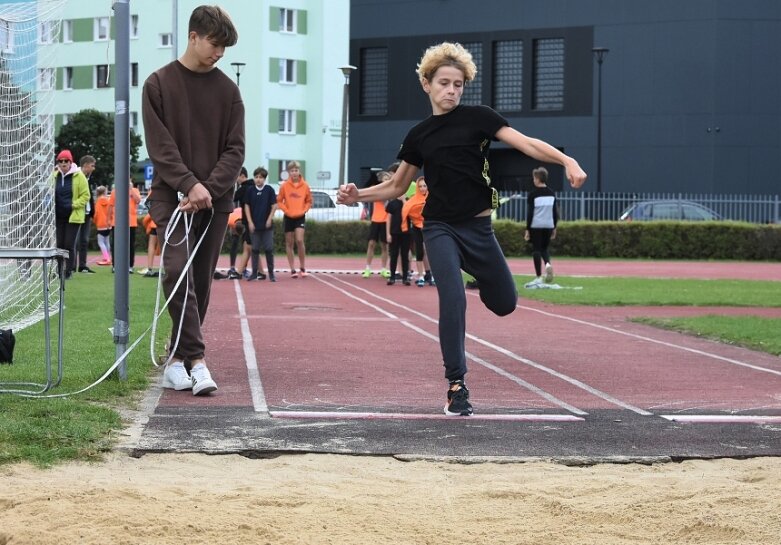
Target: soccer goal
x=30, y=289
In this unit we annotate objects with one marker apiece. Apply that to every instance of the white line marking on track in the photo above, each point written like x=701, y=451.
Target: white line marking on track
x=655, y=341
x=418, y=416
x=253, y=373
x=506, y=374
x=573, y=381
x=722, y=418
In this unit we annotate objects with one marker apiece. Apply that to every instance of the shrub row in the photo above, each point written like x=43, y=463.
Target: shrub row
x=656, y=240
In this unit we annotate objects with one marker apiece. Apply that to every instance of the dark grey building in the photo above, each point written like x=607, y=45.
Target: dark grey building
x=691, y=89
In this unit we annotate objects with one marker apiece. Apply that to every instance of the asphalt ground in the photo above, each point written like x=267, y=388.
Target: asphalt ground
x=336, y=363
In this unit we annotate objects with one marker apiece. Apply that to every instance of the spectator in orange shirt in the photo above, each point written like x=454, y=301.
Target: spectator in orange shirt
x=102, y=224
x=152, y=245
x=413, y=213
x=377, y=233
x=134, y=197
x=295, y=200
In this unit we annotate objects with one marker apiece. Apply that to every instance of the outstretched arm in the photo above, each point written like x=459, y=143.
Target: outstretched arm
x=542, y=151
x=389, y=189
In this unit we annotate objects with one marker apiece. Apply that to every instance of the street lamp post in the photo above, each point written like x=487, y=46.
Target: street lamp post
x=346, y=70
x=238, y=67
x=599, y=55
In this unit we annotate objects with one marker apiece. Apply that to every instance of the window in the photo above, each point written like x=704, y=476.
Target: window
x=45, y=79
x=45, y=32
x=287, y=20
x=134, y=26
x=101, y=76
x=100, y=29
x=508, y=75
x=287, y=122
x=67, y=31
x=548, y=88
x=373, y=98
x=166, y=40
x=6, y=37
x=287, y=71
x=133, y=121
x=322, y=200
x=473, y=91
x=67, y=77
x=134, y=74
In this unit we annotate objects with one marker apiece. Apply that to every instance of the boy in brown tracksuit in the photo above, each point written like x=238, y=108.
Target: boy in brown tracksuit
x=194, y=123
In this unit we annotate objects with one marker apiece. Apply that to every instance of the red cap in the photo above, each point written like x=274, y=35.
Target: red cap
x=65, y=154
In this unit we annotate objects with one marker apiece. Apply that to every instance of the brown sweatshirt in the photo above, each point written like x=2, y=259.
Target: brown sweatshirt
x=194, y=126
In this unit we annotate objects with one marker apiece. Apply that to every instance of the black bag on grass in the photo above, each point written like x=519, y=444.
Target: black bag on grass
x=7, y=341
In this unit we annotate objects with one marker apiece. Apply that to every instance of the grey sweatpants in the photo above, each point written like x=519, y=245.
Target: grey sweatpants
x=471, y=246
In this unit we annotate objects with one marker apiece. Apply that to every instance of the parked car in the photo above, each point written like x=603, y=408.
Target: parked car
x=678, y=210
x=325, y=208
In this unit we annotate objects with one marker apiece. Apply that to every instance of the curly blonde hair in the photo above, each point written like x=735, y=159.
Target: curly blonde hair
x=446, y=54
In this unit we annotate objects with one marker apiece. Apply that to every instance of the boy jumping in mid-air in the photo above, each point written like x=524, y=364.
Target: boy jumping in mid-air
x=457, y=227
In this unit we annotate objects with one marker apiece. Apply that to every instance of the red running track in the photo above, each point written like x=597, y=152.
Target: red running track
x=342, y=343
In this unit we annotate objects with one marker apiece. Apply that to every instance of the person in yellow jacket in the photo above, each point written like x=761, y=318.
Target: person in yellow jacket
x=71, y=195
x=295, y=200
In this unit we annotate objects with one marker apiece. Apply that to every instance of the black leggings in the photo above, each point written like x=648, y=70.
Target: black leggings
x=540, y=239
x=399, y=245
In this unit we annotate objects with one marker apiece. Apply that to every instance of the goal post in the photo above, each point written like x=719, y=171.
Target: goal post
x=29, y=38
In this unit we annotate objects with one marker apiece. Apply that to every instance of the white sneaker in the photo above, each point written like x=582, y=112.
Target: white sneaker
x=202, y=382
x=536, y=283
x=548, y=273
x=175, y=376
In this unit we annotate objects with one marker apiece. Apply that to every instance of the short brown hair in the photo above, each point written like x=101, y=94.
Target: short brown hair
x=260, y=170
x=86, y=160
x=213, y=23
x=541, y=174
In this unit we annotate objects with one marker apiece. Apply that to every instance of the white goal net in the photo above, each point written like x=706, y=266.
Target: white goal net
x=29, y=32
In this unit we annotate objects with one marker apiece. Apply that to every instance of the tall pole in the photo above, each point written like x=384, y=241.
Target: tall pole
x=346, y=70
x=599, y=54
x=121, y=262
x=238, y=67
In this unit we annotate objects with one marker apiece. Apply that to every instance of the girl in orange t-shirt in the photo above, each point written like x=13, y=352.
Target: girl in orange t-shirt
x=103, y=224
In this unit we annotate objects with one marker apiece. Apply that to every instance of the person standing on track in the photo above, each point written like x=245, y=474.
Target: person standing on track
x=452, y=145
x=194, y=124
x=295, y=200
x=541, y=218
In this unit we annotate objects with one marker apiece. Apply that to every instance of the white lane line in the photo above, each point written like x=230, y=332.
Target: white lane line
x=542, y=393
x=334, y=415
x=566, y=378
x=722, y=418
x=655, y=341
x=253, y=373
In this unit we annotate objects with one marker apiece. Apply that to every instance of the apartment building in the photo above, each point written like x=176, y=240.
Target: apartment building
x=286, y=64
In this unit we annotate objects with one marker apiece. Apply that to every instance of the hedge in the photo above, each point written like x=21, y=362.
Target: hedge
x=655, y=240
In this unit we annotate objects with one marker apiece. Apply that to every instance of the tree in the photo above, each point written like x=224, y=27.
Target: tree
x=91, y=132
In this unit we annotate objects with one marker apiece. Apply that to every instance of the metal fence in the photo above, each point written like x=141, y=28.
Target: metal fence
x=576, y=205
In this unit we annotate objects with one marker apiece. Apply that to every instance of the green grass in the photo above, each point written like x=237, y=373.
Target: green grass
x=622, y=291
x=753, y=332
x=46, y=431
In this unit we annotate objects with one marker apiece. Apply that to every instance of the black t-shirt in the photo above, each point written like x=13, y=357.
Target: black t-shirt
x=260, y=201
x=452, y=149
x=393, y=208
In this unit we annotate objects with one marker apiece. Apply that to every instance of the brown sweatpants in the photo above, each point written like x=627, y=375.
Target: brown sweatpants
x=199, y=276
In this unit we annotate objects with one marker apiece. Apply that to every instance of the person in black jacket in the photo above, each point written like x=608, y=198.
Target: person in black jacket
x=87, y=164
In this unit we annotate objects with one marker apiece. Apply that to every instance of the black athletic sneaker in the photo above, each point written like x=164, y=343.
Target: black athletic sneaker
x=458, y=400
x=233, y=275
